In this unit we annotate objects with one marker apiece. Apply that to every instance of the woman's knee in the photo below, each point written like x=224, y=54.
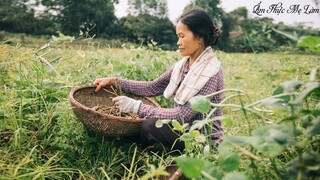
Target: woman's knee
x=148, y=126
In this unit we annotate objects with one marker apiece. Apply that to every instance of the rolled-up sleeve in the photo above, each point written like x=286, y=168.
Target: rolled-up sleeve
x=146, y=88
x=181, y=113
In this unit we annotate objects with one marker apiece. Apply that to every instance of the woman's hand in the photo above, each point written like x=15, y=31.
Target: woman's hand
x=126, y=104
x=102, y=82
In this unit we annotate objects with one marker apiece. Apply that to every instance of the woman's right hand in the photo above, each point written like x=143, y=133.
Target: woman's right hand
x=102, y=82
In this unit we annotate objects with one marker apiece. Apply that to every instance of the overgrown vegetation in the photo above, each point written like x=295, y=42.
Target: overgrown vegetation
x=40, y=138
x=289, y=144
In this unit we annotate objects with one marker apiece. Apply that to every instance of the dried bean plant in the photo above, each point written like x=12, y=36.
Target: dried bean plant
x=114, y=110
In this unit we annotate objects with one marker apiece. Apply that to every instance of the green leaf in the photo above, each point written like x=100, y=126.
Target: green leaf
x=280, y=110
x=310, y=42
x=190, y=167
x=314, y=129
x=269, y=140
x=186, y=137
x=206, y=150
x=272, y=139
x=307, y=165
x=229, y=142
x=306, y=123
x=280, y=90
x=235, y=176
x=198, y=125
x=307, y=112
x=227, y=122
x=159, y=124
x=195, y=133
x=200, y=104
x=200, y=139
x=155, y=172
x=177, y=126
x=214, y=171
x=268, y=148
x=282, y=134
x=225, y=147
x=230, y=162
x=290, y=118
x=311, y=87
x=240, y=140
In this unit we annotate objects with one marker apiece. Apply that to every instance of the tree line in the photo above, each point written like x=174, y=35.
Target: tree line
x=147, y=20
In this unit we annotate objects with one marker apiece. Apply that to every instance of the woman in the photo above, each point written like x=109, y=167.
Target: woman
x=197, y=73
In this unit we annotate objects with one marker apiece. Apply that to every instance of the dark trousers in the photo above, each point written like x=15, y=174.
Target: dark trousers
x=162, y=139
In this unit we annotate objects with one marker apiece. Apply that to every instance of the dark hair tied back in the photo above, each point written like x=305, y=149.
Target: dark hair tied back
x=199, y=22
x=215, y=34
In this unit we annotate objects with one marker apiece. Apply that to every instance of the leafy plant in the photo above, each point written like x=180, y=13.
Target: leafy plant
x=297, y=133
x=312, y=43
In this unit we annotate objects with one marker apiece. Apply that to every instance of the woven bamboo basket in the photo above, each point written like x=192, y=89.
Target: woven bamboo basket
x=84, y=98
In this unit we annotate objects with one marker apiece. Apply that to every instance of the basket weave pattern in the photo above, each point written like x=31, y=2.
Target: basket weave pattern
x=84, y=98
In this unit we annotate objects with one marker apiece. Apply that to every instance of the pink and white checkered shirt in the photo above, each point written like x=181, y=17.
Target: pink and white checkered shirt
x=182, y=113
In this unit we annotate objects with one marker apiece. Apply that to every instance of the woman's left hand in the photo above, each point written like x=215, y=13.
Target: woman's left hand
x=127, y=104
x=102, y=82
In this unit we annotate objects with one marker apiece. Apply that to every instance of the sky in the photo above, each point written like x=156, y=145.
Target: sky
x=289, y=12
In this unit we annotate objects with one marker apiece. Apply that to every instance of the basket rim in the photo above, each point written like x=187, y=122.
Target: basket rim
x=108, y=117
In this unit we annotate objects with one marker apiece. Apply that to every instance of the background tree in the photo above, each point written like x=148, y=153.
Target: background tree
x=232, y=23
x=210, y=6
x=144, y=28
x=17, y=16
x=238, y=16
x=158, y=8
x=147, y=21
x=94, y=15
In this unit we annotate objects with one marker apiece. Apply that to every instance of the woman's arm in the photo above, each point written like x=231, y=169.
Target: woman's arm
x=144, y=88
x=217, y=84
x=184, y=113
x=181, y=113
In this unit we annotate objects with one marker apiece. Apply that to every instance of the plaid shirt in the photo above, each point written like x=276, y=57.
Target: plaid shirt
x=182, y=113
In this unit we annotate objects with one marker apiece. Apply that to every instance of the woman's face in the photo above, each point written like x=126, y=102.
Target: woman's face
x=188, y=43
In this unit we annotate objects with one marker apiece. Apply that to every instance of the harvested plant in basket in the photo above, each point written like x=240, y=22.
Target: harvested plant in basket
x=114, y=110
x=99, y=114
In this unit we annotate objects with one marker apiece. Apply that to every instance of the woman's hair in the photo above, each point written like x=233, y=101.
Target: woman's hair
x=199, y=22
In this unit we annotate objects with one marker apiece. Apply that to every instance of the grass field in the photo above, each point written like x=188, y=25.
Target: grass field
x=40, y=138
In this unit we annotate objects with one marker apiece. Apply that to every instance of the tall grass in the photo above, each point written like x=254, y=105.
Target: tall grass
x=40, y=138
